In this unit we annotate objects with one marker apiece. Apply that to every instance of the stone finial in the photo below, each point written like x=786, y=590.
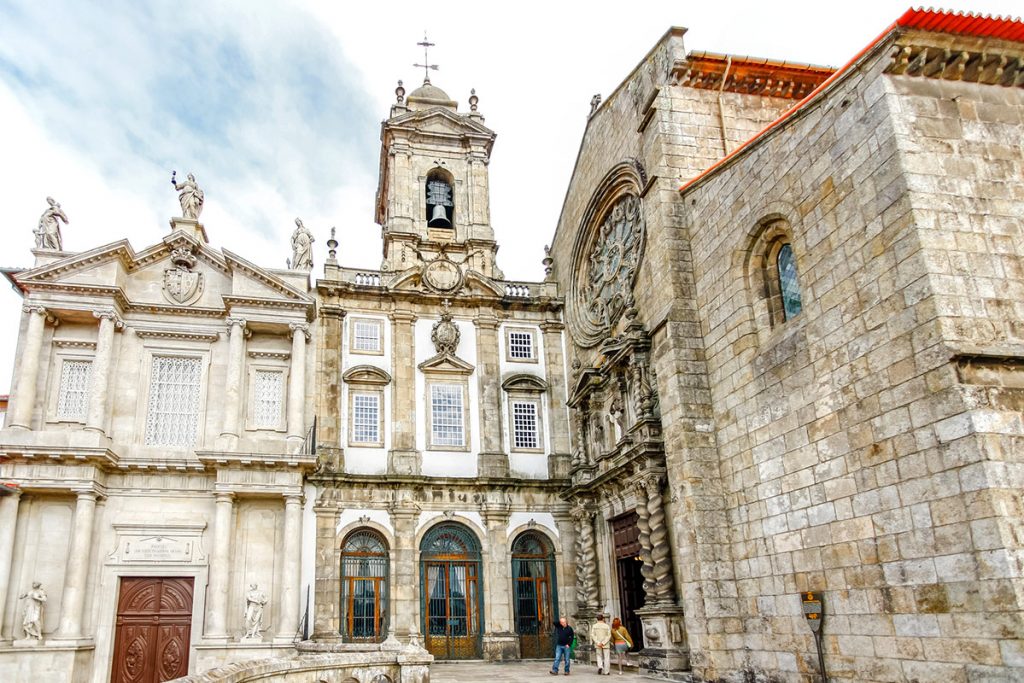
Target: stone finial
x=473, y=99
x=595, y=102
x=332, y=247
x=48, y=233
x=400, y=94
x=548, y=262
x=190, y=196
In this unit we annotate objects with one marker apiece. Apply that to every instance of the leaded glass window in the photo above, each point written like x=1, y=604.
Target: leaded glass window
x=367, y=335
x=446, y=415
x=366, y=418
x=364, y=586
x=520, y=344
x=73, y=396
x=172, y=417
x=267, y=396
x=789, y=285
x=524, y=428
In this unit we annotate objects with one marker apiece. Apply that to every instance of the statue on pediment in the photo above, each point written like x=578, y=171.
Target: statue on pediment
x=48, y=232
x=302, y=247
x=190, y=195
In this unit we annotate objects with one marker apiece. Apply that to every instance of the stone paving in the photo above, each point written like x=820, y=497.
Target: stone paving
x=519, y=672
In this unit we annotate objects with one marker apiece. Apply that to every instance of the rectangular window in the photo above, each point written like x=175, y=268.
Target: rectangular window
x=520, y=345
x=73, y=396
x=366, y=336
x=446, y=415
x=366, y=418
x=173, y=412
x=267, y=392
x=524, y=418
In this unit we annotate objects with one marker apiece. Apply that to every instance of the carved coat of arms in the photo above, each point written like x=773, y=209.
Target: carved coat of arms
x=181, y=284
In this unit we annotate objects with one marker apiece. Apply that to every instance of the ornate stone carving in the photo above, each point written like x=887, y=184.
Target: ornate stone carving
x=587, y=589
x=659, y=584
x=643, y=389
x=442, y=274
x=190, y=196
x=181, y=285
x=302, y=247
x=614, y=256
x=32, y=613
x=300, y=328
x=255, y=599
x=48, y=233
x=109, y=314
x=579, y=454
x=445, y=334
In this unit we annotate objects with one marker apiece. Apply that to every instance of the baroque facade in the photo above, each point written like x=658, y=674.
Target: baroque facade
x=765, y=405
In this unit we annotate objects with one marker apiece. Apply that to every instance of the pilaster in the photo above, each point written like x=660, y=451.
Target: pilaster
x=493, y=460
x=24, y=397
x=327, y=582
x=99, y=378
x=403, y=458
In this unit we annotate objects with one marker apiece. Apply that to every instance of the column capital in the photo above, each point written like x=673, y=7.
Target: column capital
x=300, y=328
x=232, y=321
x=35, y=308
x=293, y=498
x=329, y=311
x=85, y=494
x=102, y=314
x=11, y=491
x=486, y=322
x=224, y=496
x=403, y=316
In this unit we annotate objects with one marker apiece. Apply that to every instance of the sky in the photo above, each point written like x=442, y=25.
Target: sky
x=276, y=108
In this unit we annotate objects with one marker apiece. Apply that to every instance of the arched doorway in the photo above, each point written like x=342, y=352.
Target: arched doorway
x=451, y=592
x=534, y=594
x=364, y=587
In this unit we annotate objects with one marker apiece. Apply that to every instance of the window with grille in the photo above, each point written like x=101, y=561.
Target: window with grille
x=524, y=425
x=267, y=395
x=366, y=418
x=520, y=344
x=172, y=418
x=446, y=415
x=73, y=396
x=366, y=335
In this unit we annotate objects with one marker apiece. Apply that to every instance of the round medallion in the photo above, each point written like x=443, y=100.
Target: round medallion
x=442, y=275
x=607, y=269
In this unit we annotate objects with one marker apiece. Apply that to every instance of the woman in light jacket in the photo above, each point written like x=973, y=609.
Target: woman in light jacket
x=621, y=642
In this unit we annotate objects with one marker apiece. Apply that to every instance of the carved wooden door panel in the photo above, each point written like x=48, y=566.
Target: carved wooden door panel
x=154, y=620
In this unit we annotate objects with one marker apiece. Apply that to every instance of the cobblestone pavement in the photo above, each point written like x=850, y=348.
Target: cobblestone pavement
x=519, y=672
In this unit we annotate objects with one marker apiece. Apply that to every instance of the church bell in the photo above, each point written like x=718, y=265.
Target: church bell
x=439, y=218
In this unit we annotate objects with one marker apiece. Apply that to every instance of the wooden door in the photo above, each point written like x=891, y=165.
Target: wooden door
x=452, y=611
x=154, y=621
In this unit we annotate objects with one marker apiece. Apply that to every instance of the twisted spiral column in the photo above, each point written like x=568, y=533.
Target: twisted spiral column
x=586, y=560
x=661, y=553
x=644, y=524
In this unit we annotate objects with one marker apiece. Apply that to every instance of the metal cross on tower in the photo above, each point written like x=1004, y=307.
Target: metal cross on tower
x=426, y=65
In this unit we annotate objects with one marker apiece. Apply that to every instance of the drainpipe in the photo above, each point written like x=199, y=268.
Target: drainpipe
x=721, y=114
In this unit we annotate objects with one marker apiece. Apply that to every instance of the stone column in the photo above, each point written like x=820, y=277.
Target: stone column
x=567, y=577
x=233, y=385
x=8, y=523
x=493, y=458
x=24, y=397
x=220, y=558
x=289, y=622
x=405, y=588
x=326, y=581
x=554, y=361
x=297, y=383
x=500, y=641
x=77, y=574
x=404, y=458
x=99, y=376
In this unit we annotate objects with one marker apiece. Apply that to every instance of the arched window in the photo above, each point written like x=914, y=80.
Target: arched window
x=440, y=201
x=534, y=593
x=452, y=592
x=789, y=285
x=364, y=586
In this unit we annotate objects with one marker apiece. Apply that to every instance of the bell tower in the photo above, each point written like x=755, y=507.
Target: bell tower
x=433, y=190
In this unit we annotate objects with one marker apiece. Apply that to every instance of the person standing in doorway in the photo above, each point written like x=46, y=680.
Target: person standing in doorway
x=563, y=642
x=621, y=641
x=601, y=637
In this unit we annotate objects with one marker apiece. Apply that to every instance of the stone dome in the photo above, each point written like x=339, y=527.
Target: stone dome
x=428, y=96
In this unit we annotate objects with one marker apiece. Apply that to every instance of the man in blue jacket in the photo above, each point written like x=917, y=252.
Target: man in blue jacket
x=563, y=641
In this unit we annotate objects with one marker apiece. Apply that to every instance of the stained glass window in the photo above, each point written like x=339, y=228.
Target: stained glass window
x=267, y=395
x=73, y=397
x=446, y=415
x=789, y=285
x=173, y=415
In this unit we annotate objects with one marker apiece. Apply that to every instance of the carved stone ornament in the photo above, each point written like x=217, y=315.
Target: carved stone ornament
x=182, y=285
x=445, y=333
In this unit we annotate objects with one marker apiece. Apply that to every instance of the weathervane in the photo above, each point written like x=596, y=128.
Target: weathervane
x=426, y=65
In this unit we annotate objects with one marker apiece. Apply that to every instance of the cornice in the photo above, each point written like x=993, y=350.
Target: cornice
x=194, y=334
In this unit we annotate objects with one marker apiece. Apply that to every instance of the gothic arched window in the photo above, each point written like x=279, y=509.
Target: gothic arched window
x=364, y=586
x=789, y=284
x=440, y=200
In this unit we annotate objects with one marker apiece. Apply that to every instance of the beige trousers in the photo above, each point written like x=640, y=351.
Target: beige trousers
x=604, y=658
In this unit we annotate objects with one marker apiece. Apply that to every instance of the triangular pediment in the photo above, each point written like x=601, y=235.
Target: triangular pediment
x=441, y=121
x=473, y=284
x=446, y=364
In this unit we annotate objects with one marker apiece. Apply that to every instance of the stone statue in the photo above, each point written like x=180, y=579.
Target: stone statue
x=255, y=599
x=190, y=195
x=595, y=102
x=302, y=247
x=32, y=616
x=48, y=232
